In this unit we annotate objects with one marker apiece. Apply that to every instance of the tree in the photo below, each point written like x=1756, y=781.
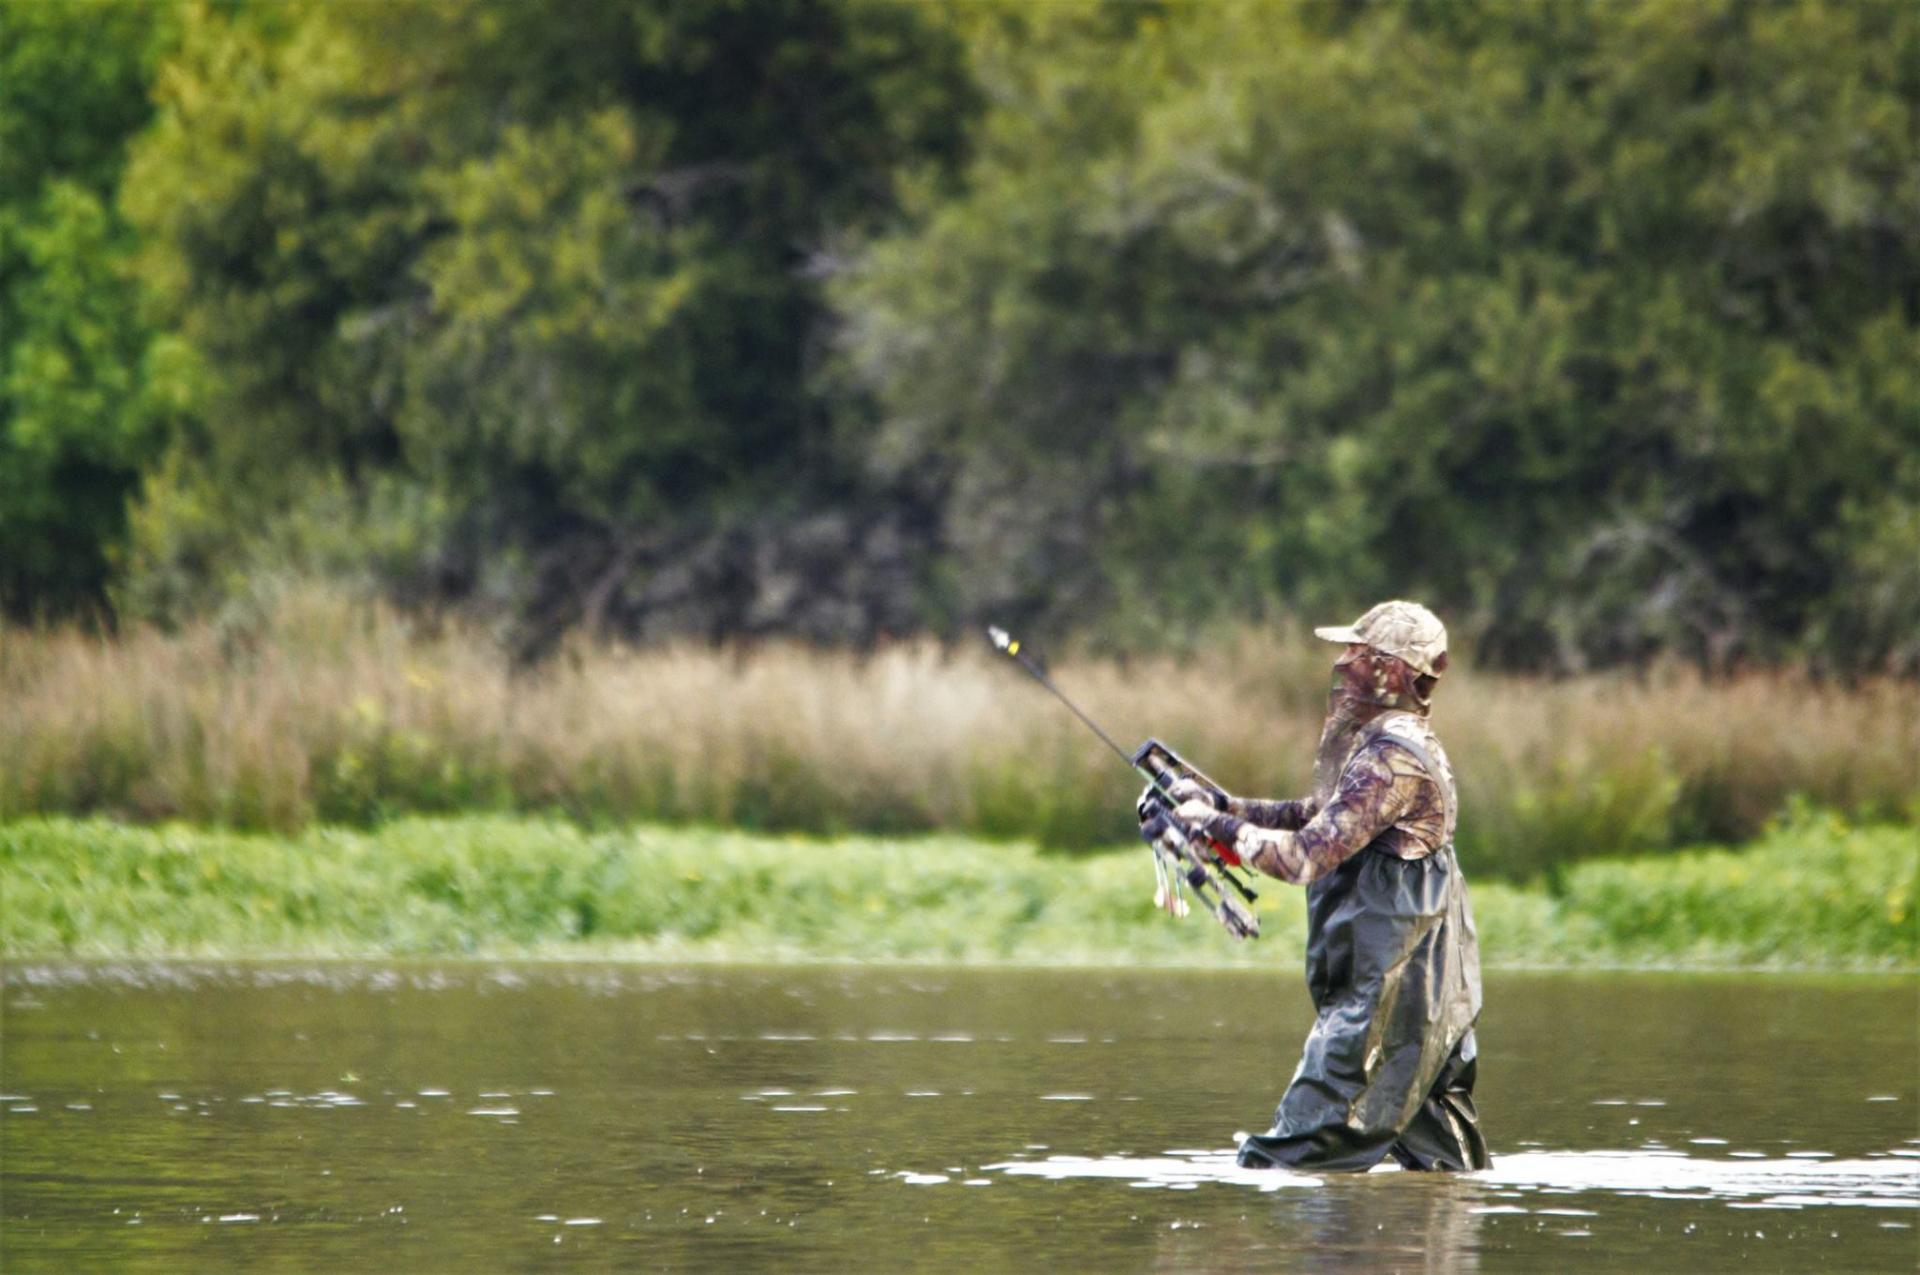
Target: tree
x=86, y=387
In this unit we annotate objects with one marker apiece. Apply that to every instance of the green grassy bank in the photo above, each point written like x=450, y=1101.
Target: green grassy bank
x=1812, y=893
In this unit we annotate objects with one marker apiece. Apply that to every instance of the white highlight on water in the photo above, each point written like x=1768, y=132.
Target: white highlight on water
x=1785, y=1183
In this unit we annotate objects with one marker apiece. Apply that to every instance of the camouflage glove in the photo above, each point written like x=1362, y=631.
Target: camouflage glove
x=1184, y=792
x=1199, y=815
x=1195, y=814
x=1187, y=791
x=1208, y=823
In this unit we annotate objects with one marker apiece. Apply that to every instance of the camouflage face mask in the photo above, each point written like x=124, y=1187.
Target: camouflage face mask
x=1366, y=679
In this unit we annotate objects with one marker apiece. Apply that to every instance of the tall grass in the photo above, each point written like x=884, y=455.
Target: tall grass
x=1811, y=894
x=327, y=712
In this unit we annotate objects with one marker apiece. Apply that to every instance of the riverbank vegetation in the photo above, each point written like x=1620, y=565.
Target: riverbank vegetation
x=320, y=711
x=537, y=416
x=1812, y=894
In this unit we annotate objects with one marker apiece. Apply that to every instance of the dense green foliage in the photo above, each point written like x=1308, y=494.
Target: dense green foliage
x=1596, y=325
x=1598, y=322
x=86, y=387
x=1811, y=895
x=510, y=302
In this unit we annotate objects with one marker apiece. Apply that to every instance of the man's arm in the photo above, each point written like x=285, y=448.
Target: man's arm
x=1288, y=815
x=1369, y=799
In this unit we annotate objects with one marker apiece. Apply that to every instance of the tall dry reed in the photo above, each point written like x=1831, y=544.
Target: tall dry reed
x=329, y=711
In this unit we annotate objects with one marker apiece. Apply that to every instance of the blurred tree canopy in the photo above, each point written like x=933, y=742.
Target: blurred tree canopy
x=519, y=305
x=86, y=388
x=1596, y=326
x=1596, y=323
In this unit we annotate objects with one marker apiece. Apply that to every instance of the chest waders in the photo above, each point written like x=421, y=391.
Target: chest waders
x=1394, y=969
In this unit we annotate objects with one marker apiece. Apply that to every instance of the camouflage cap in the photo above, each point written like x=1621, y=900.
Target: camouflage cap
x=1406, y=630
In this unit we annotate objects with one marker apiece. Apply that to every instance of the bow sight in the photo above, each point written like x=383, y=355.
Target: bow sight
x=1183, y=857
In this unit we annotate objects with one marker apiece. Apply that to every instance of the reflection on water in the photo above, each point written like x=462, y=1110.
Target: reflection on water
x=169, y=1117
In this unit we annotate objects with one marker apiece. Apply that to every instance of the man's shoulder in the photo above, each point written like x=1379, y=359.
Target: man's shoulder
x=1404, y=746
x=1406, y=741
x=1403, y=728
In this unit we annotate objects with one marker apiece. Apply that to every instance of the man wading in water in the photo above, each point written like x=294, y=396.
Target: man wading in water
x=1392, y=961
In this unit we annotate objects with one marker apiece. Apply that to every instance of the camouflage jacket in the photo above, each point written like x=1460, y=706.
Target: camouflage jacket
x=1384, y=796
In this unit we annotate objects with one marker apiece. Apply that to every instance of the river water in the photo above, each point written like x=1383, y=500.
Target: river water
x=477, y=1117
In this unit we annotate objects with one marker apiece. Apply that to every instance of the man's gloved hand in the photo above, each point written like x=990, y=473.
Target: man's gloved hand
x=1195, y=811
x=1187, y=791
x=1193, y=814
x=1184, y=791
x=1148, y=807
x=1201, y=819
